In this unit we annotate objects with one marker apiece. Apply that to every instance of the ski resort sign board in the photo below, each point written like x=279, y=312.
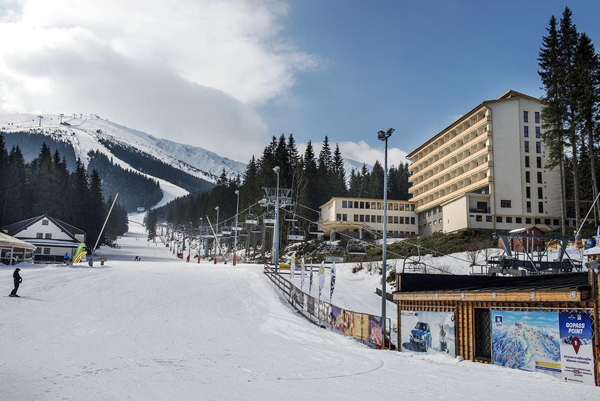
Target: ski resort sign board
x=557, y=343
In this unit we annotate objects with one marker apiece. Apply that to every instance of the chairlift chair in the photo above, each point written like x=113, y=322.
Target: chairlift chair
x=226, y=231
x=251, y=219
x=296, y=234
x=242, y=233
x=291, y=217
x=269, y=220
x=255, y=229
x=314, y=229
x=356, y=247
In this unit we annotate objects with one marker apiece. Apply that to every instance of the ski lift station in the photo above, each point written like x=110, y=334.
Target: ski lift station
x=543, y=323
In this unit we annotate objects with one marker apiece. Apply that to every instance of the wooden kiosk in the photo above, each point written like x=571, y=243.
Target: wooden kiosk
x=475, y=300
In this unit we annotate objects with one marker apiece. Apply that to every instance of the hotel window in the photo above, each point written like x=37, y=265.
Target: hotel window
x=401, y=220
x=478, y=218
x=344, y=217
x=525, y=116
x=527, y=176
x=390, y=220
x=39, y=235
x=38, y=250
x=349, y=204
x=412, y=220
x=356, y=204
x=547, y=222
x=390, y=206
x=539, y=162
x=395, y=207
x=367, y=218
x=526, y=161
x=528, y=220
x=355, y=217
x=537, y=117
x=401, y=207
x=519, y=220
x=378, y=205
x=540, y=193
x=338, y=217
x=528, y=192
x=526, y=131
x=538, y=132
x=379, y=219
x=367, y=205
x=538, y=147
x=48, y=235
x=505, y=203
x=362, y=205
x=362, y=218
x=396, y=220
x=498, y=219
x=556, y=222
x=509, y=219
x=44, y=222
x=344, y=204
x=538, y=221
x=528, y=207
x=539, y=178
x=412, y=207
x=488, y=219
x=527, y=146
x=541, y=207
x=46, y=251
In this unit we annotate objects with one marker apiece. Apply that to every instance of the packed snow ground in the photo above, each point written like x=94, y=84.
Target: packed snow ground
x=165, y=329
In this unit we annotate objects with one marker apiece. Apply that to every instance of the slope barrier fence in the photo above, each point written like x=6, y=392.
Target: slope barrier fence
x=363, y=327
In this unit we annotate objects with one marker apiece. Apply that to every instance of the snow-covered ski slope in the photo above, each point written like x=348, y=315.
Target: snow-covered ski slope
x=163, y=329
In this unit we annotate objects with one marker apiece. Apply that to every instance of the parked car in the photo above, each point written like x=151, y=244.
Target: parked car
x=420, y=337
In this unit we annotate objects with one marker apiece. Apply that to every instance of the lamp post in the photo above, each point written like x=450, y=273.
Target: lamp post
x=200, y=238
x=237, y=208
x=383, y=136
x=276, y=228
x=216, y=233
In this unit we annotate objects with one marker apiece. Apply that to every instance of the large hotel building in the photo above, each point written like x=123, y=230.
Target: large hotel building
x=486, y=170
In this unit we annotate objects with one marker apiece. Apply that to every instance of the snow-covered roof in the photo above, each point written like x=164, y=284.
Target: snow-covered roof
x=6, y=241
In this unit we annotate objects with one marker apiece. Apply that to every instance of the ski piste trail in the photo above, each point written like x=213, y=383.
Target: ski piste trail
x=164, y=329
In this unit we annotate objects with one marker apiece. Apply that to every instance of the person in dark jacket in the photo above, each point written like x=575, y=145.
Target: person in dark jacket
x=18, y=280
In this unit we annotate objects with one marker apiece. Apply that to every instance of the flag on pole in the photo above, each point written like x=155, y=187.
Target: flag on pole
x=321, y=278
x=310, y=270
x=332, y=286
x=302, y=273
x=292, y=267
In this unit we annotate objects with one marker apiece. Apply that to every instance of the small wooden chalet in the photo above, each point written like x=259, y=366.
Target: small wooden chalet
x=489, y=319
x=51, y=237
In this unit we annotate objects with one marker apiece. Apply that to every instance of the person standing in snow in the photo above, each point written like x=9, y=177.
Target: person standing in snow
x=18, y=280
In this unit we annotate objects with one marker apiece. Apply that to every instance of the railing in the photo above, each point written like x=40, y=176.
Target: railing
x=361, y=326
x=479, y=210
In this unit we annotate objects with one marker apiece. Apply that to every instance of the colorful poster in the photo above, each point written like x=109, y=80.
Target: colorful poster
x=526, y=341
x=336, y=318
x=431, y=332
x=375, y=331
x=576, y=347
x=310, y=305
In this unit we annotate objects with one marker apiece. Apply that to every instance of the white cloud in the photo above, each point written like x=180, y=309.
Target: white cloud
x=363, y=152
x=191, y=70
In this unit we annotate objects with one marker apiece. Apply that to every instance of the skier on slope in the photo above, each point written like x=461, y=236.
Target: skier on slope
x=18, y=280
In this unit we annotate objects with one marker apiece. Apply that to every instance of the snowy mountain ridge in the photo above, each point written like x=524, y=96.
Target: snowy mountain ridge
x=86, y=133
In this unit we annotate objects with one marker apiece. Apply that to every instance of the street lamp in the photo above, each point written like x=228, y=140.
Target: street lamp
x=276, y=228
x=199, y=238
x=216, y=233
x=237, y=208
x=383, y=136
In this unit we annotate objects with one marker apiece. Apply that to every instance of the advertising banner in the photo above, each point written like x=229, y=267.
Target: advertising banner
x=361, y=326
x=336, y=318
x=297, y=298
x=576, y=347
x=431, y=332
x=375, y=330
x=311, y=306
x=526, y=341
x=324, y=311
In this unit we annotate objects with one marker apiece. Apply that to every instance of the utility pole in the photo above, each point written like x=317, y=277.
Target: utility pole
x=276, y=228
x=237, y=208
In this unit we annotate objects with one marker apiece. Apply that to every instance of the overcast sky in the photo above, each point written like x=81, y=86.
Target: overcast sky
x=226, y=75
